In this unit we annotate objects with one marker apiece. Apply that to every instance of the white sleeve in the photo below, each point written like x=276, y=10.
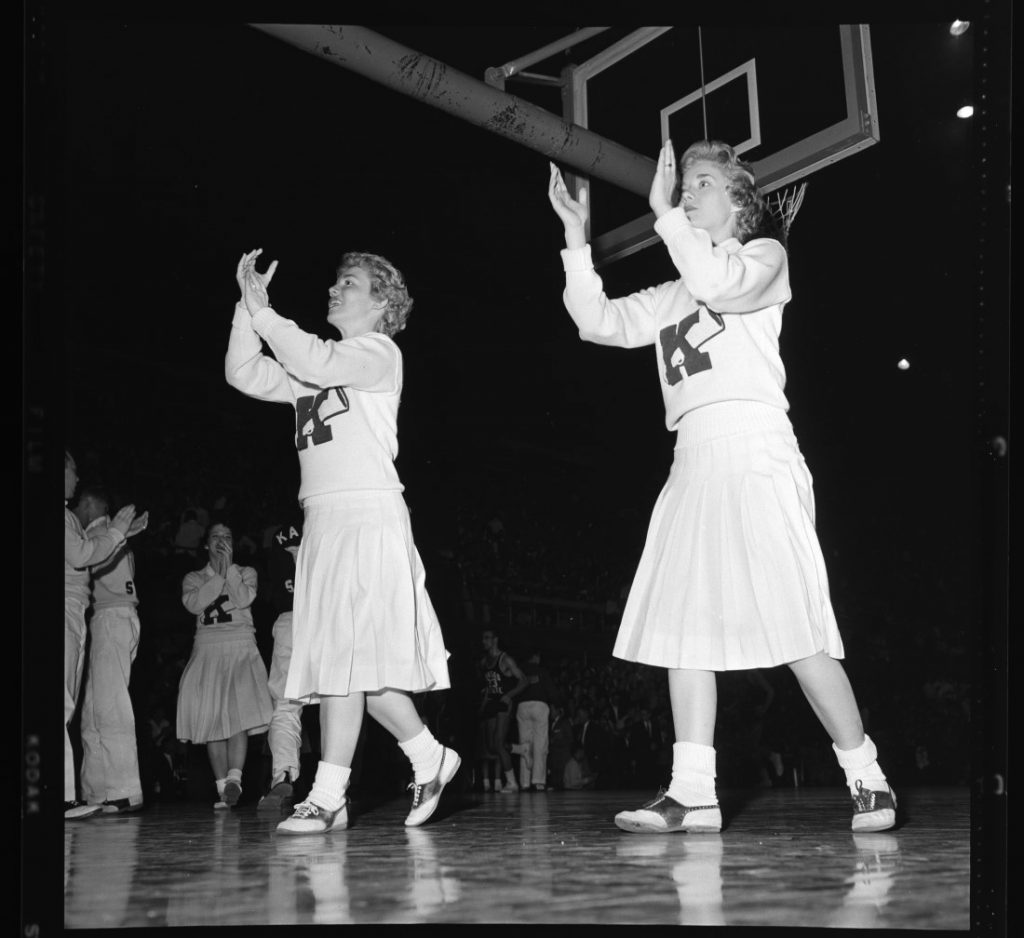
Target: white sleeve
x=366, y=363
x=628, y=321
x=122, y=550
x=197, y=592
x=241, y=586
x=744, y=281
x=248, y=369
x=82, y=551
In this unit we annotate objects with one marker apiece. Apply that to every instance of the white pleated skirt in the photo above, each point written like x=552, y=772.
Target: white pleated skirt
x=223, y=689
x=361, y=617
x=731, y=576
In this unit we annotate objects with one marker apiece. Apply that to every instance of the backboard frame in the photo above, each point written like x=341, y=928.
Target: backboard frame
x=856, y=131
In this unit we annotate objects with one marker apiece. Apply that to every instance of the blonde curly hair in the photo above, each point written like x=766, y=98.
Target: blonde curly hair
x=387, y=283
x=752, y=217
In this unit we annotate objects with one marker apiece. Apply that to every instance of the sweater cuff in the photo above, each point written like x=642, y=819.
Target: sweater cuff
x=672, y=221
x=241, y=317
x=263, y=319
x=575, y=260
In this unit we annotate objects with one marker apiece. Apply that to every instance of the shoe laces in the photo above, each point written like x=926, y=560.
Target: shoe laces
x=306, y=809
x=657, y=798
x=417, y=793
x=865, y=798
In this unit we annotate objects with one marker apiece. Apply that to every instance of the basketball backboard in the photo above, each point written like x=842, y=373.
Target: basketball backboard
x=790, y=99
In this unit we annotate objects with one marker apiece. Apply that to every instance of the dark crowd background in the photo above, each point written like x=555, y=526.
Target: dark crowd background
x=550, y=576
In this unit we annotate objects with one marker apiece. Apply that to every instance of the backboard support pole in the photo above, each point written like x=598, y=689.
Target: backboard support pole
x=434, y=83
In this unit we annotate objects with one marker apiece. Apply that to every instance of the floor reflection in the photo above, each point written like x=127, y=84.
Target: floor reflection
x=432, y=884
x=554, y=857
x=871, y=882
x=692, y=863
x=307, y=883
x=100, y=863
x=209, y=874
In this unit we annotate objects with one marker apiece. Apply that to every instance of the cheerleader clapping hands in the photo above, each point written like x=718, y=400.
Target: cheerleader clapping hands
x=731, y=575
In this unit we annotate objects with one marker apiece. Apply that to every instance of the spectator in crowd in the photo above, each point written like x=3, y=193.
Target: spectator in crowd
x=644, y=744
x=533, y=713
x=593, y=736
x=560, y=743
x=577, y=774
x=159, y=767
x=188, y=539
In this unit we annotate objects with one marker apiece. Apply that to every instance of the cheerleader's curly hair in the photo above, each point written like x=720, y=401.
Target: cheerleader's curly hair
x=753, y=219
x=387, y=283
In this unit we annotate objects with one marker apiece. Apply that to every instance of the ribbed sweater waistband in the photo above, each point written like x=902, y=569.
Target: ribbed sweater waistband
x=728, y=419
x=348, y=497
x=214, y=635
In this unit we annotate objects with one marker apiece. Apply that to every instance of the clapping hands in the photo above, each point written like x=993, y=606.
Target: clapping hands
x=253, y=284
x=140, y=523
x=221, y=555
x=127, y=523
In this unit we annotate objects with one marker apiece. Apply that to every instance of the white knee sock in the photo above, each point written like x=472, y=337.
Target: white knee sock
x=693, y=774
x=329, y=785
x=861, y=765
x=424, y=752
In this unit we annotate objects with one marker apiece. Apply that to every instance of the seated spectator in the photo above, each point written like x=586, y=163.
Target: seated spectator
x=188, y=539
x=577, y=774
x=560, y=744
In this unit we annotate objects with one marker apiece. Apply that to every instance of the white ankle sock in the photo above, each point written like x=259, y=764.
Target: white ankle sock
x=693, y=774
x=861, y=765
x=424, y=752
x=221, y=782
x=235, y=775
x=328, y=789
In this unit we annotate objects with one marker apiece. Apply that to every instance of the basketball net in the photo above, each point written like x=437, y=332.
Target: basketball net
x=785, y=203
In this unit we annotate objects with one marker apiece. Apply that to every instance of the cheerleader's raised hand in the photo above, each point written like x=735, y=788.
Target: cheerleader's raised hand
x=573, y=213
x=664, y=183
